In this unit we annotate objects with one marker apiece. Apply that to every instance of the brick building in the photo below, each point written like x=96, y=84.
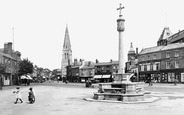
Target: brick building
x=164, y=62
x=10, y=60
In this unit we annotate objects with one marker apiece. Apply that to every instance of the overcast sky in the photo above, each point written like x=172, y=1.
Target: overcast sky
x=39, y=27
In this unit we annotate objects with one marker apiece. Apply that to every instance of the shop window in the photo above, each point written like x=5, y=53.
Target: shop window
x=182, y=77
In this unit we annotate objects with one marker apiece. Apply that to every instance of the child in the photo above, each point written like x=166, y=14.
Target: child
x=18, y=95
x=31, y=96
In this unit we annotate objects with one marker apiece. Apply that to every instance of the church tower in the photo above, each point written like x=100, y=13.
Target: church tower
x=66, y=53
x=131, y=53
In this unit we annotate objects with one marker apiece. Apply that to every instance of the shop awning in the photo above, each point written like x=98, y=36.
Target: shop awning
x=23, y=77
x=106, y=76
x=29, y=77
x=97, y=76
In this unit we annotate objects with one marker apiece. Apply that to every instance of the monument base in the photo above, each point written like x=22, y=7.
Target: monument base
x=122, y=77
x=121, y=89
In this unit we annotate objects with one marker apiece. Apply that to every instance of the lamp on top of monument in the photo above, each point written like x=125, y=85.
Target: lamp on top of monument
x=120, y=21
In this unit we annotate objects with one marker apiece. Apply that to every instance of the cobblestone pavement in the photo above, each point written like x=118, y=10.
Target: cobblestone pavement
x=67, y=99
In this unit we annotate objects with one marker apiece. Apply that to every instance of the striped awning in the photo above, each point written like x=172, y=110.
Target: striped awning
x=97, y=76
x=106, y=76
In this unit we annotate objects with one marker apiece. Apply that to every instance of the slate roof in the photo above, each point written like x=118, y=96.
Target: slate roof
x=106, y=63
x=173, y=46
x=151, y=49
x=162, y=48
x=7, y=55
x=176, y=36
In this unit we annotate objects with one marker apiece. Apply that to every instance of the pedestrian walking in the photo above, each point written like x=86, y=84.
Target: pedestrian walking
x=31, y=96
x=175, y=81
x=18, y=95
x=58, y=79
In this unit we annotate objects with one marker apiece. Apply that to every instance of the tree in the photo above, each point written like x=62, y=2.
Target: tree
x=25, y=67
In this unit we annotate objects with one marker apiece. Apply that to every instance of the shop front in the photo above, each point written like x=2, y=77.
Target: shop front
x=169, y=76
x=148, y=76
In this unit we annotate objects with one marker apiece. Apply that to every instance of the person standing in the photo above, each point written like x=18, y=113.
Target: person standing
x=18, y=95
x=58, y=79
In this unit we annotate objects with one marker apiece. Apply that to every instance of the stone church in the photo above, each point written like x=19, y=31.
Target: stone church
x=66, y=54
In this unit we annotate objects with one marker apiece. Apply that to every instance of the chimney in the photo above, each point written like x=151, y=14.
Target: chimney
x=75, y=62
x=136, y=53
x=111, y=60
x=96, y=61
x=10, y=48
x=5, y=48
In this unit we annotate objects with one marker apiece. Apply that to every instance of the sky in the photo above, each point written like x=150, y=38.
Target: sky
x=39, y=27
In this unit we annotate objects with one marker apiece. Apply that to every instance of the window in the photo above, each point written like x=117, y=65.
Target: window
x=167, y=54
x=148, y=67
x=176, y=53
x=143, y=58
x=142, y=67
x=157, y=66
x=177, y=64
x=154, y=67
x=151, y=67
x=108, y=66
x=6, y=61
x=154, y=56
x=167, y=65
x=145, y=67
x=148, y=57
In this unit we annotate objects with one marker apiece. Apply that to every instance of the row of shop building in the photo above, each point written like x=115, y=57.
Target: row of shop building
x=82, y=71
x=163, y=63
x=9, y=66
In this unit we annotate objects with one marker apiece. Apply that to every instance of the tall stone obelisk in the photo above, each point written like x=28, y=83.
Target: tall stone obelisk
x=120, y=29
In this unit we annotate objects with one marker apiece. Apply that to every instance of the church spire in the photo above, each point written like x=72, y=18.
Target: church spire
x=67, y=44
x=66, y=54
x=131, y=49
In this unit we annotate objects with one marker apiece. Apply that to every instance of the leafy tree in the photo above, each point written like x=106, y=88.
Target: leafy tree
x=25, y=67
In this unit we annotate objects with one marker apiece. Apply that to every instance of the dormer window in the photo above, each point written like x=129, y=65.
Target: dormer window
x=168, y=33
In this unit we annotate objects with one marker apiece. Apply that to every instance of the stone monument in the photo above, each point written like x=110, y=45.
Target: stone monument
x=121, y=76
x=121, y=89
